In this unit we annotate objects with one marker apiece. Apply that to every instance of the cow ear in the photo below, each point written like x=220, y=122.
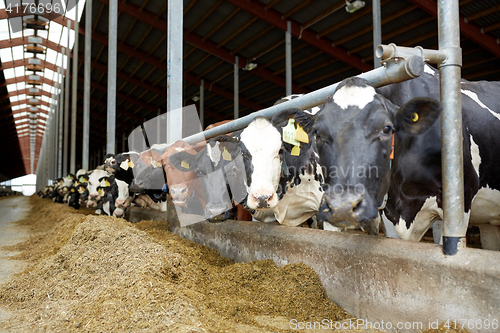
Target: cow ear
x=416, y=116
x=183, y=161
x=302, y=118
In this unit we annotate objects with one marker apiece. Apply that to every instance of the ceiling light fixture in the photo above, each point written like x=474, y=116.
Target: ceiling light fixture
x=249, y=66
x=353, y=6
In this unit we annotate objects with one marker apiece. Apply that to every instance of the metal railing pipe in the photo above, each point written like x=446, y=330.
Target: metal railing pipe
x=391, y=72
x=394, y=51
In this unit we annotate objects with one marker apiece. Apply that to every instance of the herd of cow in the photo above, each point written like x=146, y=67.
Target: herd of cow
x=367, y=158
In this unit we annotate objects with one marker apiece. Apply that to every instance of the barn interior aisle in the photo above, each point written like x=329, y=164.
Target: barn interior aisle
x=12, y=209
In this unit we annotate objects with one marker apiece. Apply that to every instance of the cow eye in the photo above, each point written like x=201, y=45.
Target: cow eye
x=113, y=162
x=387, y=129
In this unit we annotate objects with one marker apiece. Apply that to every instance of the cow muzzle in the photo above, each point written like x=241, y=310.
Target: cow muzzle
x=349, y=211
x=262, y=200
x=216, y=211
x=121, y=203
x=341, y=211
x=179, y=194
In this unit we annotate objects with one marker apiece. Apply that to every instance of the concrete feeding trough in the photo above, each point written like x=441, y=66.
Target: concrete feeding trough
x=376, y=279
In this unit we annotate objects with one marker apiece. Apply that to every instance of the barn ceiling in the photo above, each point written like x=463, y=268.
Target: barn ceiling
x=328, y=45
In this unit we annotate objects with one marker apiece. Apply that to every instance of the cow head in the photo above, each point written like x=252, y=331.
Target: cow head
x=179, y=182
x=221, y=171
x=93, y=183
x=261, y=143
x=353, y=136
x=122, y=200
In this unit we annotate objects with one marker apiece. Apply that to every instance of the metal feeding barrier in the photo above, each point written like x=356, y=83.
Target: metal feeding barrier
x=401, y=64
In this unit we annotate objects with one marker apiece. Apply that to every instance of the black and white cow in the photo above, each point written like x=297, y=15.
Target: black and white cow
x=481, y=123
x=353, y=135
x=92, y=187
x=280, y=186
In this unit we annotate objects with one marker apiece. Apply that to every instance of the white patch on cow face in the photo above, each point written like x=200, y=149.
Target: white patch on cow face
x=123, y=194
x=263, y=141
x=429, y=70
x=429, y=213
x=474, y=97
x=476, y=158
x=93, y=183
x=214, y=153
x=354, y=96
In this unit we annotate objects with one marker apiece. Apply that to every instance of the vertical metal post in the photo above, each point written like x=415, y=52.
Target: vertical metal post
x=174, y=70
x=123, y=142
x=72, y=165
x=202, y=103
x=61, y=111
x=288, y=58
x=54, y=130
x=236, y=88
x=377, y=31
x=158, y=127
x=451, y=127
x=112, y=48
x=144, y=143
x=86, y=88
x=66, y=107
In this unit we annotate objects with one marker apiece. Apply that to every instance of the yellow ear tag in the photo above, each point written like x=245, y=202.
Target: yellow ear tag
x=296, y=151
x=414, y=117
x=289, y=133
x=185, y=165
x=81, y=190
x=301, y=135
x=100, y=191
x=124, y=165
x=106, y=183
x=226, y=155
x=131, y=164
x=72, y=190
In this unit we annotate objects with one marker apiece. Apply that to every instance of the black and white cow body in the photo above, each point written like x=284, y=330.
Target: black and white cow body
x=92, y=187
x=300, y=186
x=481, y=131
x=267, y=180
x=73, y=199
x=281, y=187
x=353, y=135
x=122, y=166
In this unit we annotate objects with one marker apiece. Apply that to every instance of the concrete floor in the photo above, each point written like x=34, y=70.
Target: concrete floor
x=11, y=209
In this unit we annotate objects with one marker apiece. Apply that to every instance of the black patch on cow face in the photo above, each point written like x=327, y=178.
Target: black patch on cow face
x=416, y=116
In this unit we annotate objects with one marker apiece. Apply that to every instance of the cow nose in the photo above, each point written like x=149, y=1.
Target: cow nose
x=93, y=196
x=178, y=191
x=121, y=203
x=263, y=200
x=216, y=210
x=342, y=210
